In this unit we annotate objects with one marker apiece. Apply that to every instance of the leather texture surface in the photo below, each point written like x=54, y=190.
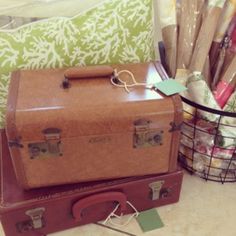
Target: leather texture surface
x=58, y=202
x=97, y=123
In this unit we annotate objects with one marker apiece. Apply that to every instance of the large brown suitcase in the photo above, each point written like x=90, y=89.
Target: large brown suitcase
x=90, y=130
x=45, y=210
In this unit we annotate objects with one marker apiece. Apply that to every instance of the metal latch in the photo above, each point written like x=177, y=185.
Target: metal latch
x=53, y=138
x=50, y=148
x=36, y=216
x=145, y=135
x=156, y=189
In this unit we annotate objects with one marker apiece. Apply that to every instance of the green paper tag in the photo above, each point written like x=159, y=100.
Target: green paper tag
x=149, y=220
x=170, y=87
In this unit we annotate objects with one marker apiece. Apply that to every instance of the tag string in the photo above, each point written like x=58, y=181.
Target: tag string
x=123, y=84
x=112, y=214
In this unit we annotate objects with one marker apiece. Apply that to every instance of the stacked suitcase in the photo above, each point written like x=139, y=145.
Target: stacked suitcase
x=69, y=155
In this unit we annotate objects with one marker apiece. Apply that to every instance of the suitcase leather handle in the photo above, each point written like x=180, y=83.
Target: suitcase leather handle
x=98, y=198
x=86, y=72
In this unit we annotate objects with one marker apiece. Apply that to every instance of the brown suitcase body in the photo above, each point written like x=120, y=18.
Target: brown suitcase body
x=46, y=210
x=92, y=130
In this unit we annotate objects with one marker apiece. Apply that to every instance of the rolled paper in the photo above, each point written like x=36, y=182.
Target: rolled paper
x=218, y=66
x=182, y=77
x=224, y=22
x=230, y=51
x=166, y=11
x=178, y=12
x=206, y=35
x=190, y=18
x=229, y=56
x=227, y=85
x=227, y=15
x=233, y=40
x=207, y=72
x=214, y=55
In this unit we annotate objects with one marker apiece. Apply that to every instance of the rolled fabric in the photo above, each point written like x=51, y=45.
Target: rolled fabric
x=206, y=35
x=228, y=132
x=200, y=93
x=225, y=19
x=167, y=15
x=230, y=106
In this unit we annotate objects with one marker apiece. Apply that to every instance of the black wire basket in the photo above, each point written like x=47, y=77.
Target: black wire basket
x=205, y=150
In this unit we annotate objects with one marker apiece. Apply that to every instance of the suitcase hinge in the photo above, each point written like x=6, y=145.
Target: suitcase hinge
x=15, y=143
x=175, y=127
x=156, y=189
x=36, y=216
x=145, y=135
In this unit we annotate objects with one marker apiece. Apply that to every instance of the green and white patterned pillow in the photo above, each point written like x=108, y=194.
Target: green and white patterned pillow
x=117, y=31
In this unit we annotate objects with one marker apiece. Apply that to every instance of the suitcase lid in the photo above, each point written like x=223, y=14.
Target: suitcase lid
x=37, y=102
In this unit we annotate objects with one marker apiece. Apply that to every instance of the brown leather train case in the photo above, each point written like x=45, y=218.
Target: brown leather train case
x=38, y=212
x=64, y=127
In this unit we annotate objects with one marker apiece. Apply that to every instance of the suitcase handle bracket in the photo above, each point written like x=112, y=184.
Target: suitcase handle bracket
x=84, y=203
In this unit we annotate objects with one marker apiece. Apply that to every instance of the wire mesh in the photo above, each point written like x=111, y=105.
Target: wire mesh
x=208, y=148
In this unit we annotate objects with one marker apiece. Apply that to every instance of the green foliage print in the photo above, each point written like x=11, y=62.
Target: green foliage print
x=117, y=31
